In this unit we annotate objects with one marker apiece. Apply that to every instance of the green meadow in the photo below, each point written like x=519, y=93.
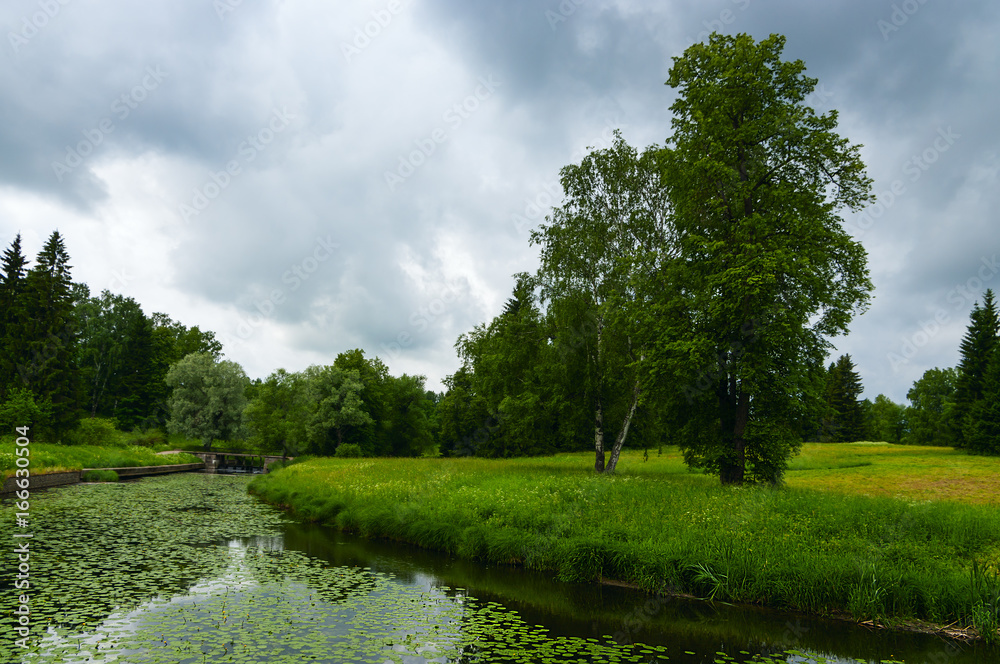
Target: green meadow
x=53, y=458
x=876, y=532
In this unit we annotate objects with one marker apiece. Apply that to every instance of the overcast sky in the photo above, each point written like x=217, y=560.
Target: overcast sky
x=305, y=178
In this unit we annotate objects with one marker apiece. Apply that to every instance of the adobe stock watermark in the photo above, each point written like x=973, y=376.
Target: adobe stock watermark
x=819, y=98
x=22, y=581
x=898, y=17
x=913, y=168
x=224, y=8
x=709, y=376
x=565, y=9
x=960, y=296
x=454, y=117
x=454, y=290
x=718, y=24
x=293, y=278
x=120, y=279
x=246, y=152
x=364, y=34
x=472, y=441
x=536, y=207
x=641, y=617
x=32, y=24
x=122, y=107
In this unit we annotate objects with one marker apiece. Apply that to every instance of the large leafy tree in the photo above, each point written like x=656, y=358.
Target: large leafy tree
x=410, y=416
x=614, y=226
x=463, y=416
x=207, y=399
x=171, y=342
x=888, y=420
x=767, y=273
x=930, y=417
x=276, y=416
x=977, y=348
x=374, y=437
x=336, y=408
x=115, y=357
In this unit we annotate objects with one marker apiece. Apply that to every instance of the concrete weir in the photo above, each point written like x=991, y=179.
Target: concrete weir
x=221, y=462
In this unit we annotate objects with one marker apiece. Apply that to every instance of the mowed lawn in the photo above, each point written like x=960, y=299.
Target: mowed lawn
x=909, y=472
x=899, y=471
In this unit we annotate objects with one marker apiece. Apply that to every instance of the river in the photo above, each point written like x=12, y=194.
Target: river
x=189, y=568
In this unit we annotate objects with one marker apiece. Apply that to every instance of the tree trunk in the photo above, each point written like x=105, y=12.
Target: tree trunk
x=620, y=440
x=599, y=410
x=733, y=471
x=599, y=436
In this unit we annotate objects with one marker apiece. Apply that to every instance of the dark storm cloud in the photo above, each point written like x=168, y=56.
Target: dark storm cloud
x=424, y=140
x=95, y=79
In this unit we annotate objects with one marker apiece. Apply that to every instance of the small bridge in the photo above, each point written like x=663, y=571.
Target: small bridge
x=231, y=462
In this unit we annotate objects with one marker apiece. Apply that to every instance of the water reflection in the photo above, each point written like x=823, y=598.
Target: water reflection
x=595, y=611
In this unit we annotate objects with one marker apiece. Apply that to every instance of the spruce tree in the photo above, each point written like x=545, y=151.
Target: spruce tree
x=13, y=266
x=849, y=410
x=976, y=349
x=136, y=389
x=983, y=427
x=845, y=416
x=47, y=367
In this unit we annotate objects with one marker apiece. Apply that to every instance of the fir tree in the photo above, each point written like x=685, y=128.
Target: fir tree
x=983, y=428
x=47, y=366
x=845, y=417
x=12, y=316
x=977, y=347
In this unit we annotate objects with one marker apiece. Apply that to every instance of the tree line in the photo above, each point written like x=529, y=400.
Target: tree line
x=957, y=406
x=67, y=354
x=687, y=294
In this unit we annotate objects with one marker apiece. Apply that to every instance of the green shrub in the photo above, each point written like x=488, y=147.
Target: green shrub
x=151, y=438
x=22, y=410
x=348, y=451
x=100, y=431
x=99, y=476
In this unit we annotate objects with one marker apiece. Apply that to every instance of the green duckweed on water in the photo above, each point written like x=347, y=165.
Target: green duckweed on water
x=188, y=568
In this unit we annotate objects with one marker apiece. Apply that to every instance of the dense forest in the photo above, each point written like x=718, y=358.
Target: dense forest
x=685, y=295
x=524, y=387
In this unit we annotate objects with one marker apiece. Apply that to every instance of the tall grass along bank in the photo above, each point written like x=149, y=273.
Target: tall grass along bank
x=52, y=458
x=664, y=529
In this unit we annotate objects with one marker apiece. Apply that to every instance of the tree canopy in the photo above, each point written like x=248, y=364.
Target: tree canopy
x=612, y=230
x=766, y=273
x=208, y=398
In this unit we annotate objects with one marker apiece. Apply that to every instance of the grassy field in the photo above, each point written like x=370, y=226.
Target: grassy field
x=50, y=458
x=899, y=471
x=877, y=531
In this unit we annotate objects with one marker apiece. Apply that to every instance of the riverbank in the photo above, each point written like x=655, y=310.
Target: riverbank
x=200, y=570
x=48, y=458
x=661, y=528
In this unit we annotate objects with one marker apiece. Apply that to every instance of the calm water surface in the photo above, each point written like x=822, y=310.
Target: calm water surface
x=188, y=568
